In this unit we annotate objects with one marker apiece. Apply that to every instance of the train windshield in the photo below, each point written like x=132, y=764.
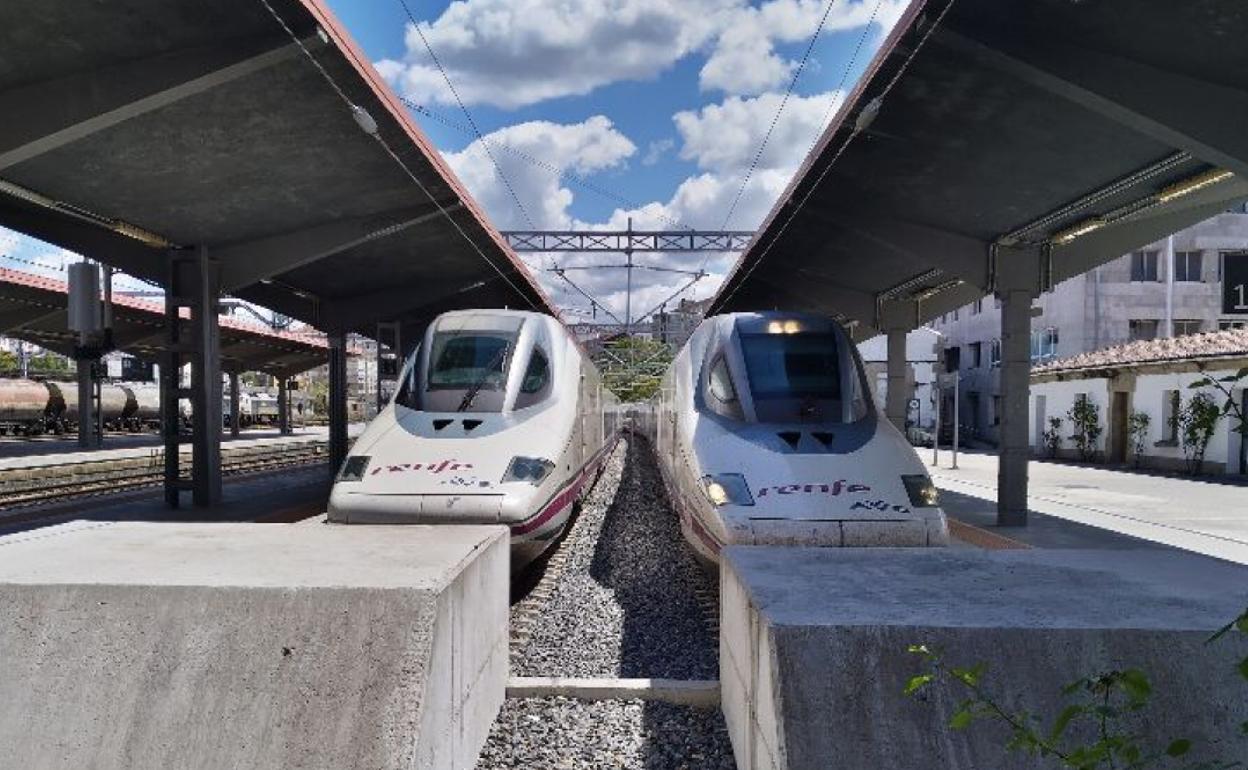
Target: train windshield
x=799, y=377
x=467, y=366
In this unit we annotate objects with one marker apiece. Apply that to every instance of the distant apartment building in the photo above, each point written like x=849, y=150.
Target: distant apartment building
x=676, y=326
x=1168, y=288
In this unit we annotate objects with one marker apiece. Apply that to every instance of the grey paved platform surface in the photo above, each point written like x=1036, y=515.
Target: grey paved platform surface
x=1090, y=507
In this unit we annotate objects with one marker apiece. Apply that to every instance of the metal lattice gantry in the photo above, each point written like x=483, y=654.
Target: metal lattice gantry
x=629, y=242
x=626, y=241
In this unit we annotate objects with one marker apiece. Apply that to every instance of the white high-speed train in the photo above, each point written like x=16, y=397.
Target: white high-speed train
x=766, y=434
x=499, y=417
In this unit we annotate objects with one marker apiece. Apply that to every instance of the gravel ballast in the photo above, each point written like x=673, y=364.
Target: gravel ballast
x=625, y=604
x=564, y=733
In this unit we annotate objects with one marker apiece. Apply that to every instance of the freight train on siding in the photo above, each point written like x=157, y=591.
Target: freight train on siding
x=31, y=408
x=766, y=434
x=500, y=418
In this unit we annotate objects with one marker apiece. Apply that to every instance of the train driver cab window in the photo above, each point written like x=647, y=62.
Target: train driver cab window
x=796, y=377
x=535, y=385
x=722, y=393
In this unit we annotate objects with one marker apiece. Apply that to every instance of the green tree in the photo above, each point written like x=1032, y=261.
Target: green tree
x=632, y=367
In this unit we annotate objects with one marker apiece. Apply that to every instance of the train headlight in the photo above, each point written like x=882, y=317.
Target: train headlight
x=727, y=489
x=922, y=492
x=353, y=469
x=530, y=469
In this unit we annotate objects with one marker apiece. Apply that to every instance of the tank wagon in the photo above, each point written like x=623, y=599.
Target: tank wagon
x=30, y=407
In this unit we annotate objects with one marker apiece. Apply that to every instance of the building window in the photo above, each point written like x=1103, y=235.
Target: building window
x=944, y=318
x=977, y=351
x=1227, y=324
x=1170, y=408
x=1190, y=326
x=996, y=410
x=977, y=307
x=1142, y=329
x=994, y=353
x=1187, y=266
x=955, y=314
x=1144, y=266
x=1044, y=344
x=996, y=302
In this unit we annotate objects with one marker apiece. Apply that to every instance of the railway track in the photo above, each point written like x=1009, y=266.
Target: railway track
x=41, y=484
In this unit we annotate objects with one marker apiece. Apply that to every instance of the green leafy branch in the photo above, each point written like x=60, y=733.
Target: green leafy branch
x=1101, y=704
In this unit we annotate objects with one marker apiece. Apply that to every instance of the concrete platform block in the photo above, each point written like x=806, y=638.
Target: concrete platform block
x=813, y=645
x=138, y=645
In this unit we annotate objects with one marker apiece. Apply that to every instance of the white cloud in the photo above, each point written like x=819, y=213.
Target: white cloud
x=511, y=53
x=582, y=148
x=721, y=138
x=656, y=151
x=745, y=62
x=726, y=136
x=516, y=52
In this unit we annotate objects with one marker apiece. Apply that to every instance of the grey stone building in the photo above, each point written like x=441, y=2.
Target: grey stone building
x=1168, y=288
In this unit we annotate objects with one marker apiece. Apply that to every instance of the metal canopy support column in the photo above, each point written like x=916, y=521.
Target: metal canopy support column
x=1018, y=283
x=896, y=318
x=235, y=417
x=193, y=285
x=283, y=406
x=337, y=400
x=86, y=403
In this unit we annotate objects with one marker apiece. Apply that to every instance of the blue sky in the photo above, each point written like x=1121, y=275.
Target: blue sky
x=662, y=103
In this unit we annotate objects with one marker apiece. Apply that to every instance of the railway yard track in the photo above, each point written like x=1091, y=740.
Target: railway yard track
x=41, y=484
x=620, y=598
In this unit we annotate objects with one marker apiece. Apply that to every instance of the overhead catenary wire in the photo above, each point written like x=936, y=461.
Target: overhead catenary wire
x=356, y=113
x=797, y=73
x=561, y=173
x=475, y=130
x=857, y=128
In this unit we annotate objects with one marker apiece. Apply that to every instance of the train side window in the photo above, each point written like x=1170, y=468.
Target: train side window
x=535, y=385
x=723, y=394
x=721, y=382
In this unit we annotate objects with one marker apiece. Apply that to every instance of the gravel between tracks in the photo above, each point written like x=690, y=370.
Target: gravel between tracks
x=559, y=733
x=625, y=605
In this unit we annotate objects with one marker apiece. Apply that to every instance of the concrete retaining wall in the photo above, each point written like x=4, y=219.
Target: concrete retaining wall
x=813, y=648
x=256, y=646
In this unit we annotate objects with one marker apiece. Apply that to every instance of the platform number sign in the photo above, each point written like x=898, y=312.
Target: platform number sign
x=1235, y=283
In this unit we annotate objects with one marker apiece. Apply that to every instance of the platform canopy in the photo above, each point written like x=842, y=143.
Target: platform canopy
x=993, y=130
x=136, y=126
x=33, y=308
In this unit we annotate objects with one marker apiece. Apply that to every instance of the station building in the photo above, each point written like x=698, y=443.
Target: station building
x=1169, y=288
x=1153, y=378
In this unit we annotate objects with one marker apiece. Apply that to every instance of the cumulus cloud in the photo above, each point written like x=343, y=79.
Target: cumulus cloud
x=726, y=136
x=584, y=148
x=721, y=139
x=656, y=151
x=516, y=52
x=512, y=53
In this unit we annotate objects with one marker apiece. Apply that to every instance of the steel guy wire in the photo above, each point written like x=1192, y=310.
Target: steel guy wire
x=355, y=110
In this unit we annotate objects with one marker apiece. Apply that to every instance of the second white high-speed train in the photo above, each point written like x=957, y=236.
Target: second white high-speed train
x=766, y=434
x=499, y=418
